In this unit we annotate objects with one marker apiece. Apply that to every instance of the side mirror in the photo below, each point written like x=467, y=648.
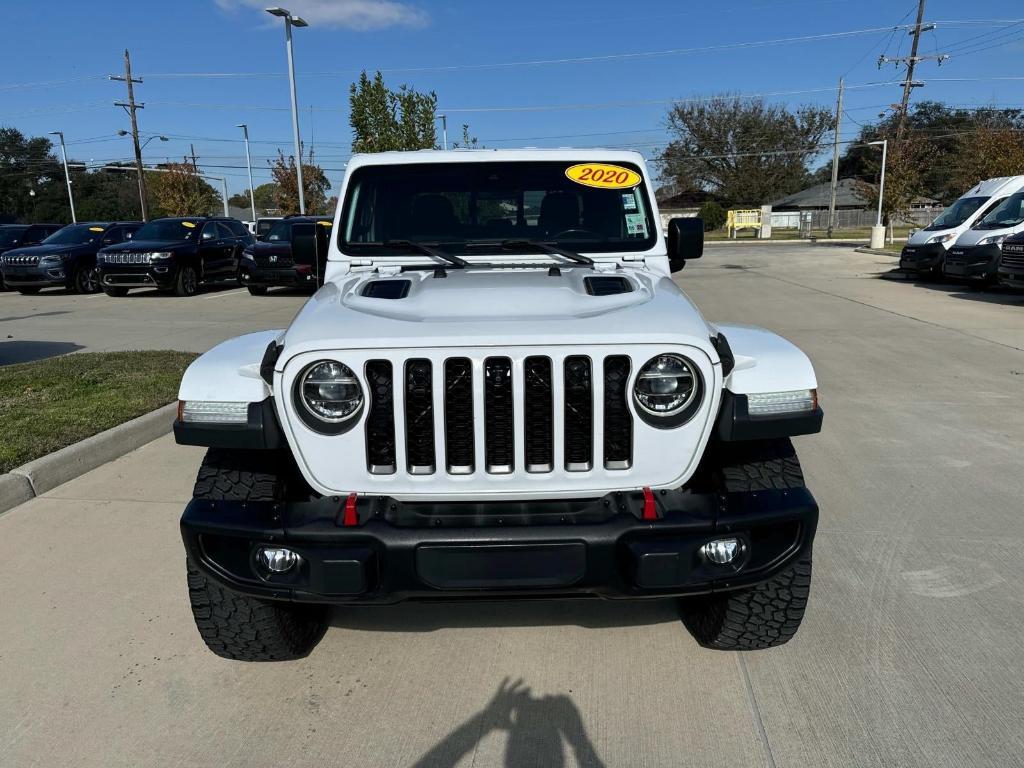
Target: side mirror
x=685, y=241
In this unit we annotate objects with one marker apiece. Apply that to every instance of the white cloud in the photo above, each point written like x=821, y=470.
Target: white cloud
x=360, y=15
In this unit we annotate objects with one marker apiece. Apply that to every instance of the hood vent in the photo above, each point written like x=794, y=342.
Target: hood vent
x=607, y=285
x=387, y=289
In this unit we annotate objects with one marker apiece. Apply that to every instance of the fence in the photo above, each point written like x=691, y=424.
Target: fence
x=846, y=219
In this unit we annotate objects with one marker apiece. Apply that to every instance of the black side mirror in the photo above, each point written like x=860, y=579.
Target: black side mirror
x=685, y=241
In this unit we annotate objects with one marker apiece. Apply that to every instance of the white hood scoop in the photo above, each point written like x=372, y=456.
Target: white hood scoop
x=514, y=294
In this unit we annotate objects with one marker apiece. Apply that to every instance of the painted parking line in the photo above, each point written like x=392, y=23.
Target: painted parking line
x=218, y=294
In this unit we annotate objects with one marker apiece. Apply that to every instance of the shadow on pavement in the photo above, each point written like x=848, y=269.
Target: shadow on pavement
x=432, y=616
x=27, y=351
x=992, y=294
x=536, y=729
x=34, y=315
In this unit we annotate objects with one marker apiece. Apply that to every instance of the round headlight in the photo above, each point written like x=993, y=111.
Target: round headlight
x=666, y=385
x=330, y=392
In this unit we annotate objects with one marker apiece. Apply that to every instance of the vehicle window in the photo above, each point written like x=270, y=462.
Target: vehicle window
x=113, y=235
x=473, y=204
x=76, y=234
x=225, y=230
x=281, y=233
x=37, y=234
x=1009, y=213
x=10, y=235
x=237, y=228
x=167, y=229
x=263, y=226
x=957, y=213
x=210, y=231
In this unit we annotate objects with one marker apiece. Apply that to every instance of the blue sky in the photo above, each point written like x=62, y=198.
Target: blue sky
x=208, y=65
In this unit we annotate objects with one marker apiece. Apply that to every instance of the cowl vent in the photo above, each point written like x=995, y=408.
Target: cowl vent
x=386, y=289
x=607, y=285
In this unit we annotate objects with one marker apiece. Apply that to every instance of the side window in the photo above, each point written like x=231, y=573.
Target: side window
x=129, y=232
x=237, y=228
x=112, y=236
x=226, y=231
x=35, y=234
x=210, y=232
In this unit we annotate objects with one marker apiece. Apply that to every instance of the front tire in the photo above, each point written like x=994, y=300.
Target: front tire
x=86, y=280
x=236, y=626
x=768, y=614
x=187, y=281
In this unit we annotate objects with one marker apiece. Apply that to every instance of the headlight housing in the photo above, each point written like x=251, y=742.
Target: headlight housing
x=160, y=256
x=942, y=238
x=992, y=240
x=667, y=390
x=329, y=396
x=53, y=258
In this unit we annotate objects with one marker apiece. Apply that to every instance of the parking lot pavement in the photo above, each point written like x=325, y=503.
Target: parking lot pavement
x=909, y=653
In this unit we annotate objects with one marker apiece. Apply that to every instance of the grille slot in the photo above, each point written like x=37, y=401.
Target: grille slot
x=458, y=415
x=538, y=415
x=618, y=424
x=498, y=421
x=419, y=417
x=579, y=414
x=380, y=421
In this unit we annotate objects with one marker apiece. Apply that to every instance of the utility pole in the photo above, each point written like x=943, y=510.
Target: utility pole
x=195, y=166
x=67, y=175
x=131, y=107
x=835, y=160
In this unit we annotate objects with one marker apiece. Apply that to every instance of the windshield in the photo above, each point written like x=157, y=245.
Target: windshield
x=11, y=235
x=281, y=233
x=957, y=213
x=167, y=229
x=469, y=204
x=76, y=234
x=265, y=225
x=1010, y=213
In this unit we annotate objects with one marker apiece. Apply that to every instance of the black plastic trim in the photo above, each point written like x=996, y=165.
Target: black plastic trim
x=735, y=422
x=260, y=432
x=721, y=345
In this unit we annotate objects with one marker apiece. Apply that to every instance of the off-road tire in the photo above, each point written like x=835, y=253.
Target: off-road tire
x=236, y=626
x=257, y=290
x=244, y=628
x=28, y=291
x=187, y=281
x=770, y=613
x=81, y=284
x=115, y=292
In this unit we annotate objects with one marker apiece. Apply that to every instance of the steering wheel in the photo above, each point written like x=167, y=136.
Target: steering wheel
x=575, y=234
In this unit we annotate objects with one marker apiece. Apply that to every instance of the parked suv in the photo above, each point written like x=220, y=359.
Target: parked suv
x=292, y=254
x=65, y=259
x=480, y=403
x=21, y=235
x=975, y=256
x=175, y=254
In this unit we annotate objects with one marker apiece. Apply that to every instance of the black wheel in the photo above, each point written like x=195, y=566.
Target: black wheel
x=770, y=613
x=187, y=282
x=257, y=290
x=236, y=626
x=30, y=291
x=86, y=279
x=115, y=291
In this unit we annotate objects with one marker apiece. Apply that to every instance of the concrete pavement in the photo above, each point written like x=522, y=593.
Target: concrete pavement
x=909, y=654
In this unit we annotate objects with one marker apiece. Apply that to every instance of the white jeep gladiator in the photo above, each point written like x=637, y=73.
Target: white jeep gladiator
x=499, y=392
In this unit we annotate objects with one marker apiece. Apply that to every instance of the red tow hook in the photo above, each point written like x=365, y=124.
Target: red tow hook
x=650, y=511
x=350, y=517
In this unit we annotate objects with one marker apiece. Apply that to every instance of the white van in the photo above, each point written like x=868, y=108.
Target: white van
x=925, y=251
x=975, y=254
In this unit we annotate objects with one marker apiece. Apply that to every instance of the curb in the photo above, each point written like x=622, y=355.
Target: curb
x=877, y=252
x=47, y=472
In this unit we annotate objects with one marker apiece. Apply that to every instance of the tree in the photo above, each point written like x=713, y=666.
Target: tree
x=384, y=120
x=468, y=142
x=988, y=153
x=744, y=150
x=904, y=182
x=713, y=214
x=28, y=165
x=314, y=185
x=181, y=192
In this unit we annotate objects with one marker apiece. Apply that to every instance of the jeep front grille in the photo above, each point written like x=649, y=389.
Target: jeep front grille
x=517, y=400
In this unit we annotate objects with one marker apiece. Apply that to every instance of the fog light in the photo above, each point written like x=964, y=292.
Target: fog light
x=722, y=551
x=278, y=559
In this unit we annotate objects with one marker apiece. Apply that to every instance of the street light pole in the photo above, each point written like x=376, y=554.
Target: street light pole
x=878, y=231
x=289, y=22
x=67, y=176
x=248, y=164
x=444, y=130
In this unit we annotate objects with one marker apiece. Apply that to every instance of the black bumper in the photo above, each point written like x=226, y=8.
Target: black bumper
x=35, y=276
x=919, y=259
x=138, y=275
x=976, y=262
x=270, y=277
x=596, y=547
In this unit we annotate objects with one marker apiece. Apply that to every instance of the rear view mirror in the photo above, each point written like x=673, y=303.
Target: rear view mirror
x=685, y=241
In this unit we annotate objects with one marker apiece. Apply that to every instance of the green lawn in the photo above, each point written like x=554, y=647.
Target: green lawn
x=50, y=404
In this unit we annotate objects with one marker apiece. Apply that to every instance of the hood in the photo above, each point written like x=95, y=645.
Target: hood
x=974, y=236
x=497, y=307
x=922, y=236
x=52, y=250
x=145, y=246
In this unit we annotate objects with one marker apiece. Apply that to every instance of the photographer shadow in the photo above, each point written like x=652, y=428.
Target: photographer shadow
x=537, y=729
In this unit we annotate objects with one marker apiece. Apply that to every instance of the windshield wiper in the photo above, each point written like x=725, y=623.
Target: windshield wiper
x=429, y=250
x=549, y=249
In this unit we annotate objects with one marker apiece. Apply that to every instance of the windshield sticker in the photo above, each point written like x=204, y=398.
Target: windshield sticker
x=629, y=202
x=95, y=229
x=636, y=224
x=189, y=224
x=603, y=176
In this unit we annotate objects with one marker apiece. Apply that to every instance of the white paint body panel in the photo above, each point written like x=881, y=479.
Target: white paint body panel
x=998, y=188
x=230, y=372
x=765, y=362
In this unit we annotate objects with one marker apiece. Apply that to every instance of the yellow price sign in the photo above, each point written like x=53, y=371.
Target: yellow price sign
x=603, y=176
x=189, y=224
x=95, y=229
x=326, y=223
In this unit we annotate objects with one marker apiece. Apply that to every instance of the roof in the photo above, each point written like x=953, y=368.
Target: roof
x=496, y=155
x=848, y=195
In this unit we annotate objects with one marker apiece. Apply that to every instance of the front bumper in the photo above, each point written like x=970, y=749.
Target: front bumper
x=920, y=259
x=291, y=277
x=137, y=275
x=975, y=262
x=595, y=547
x=35, y=276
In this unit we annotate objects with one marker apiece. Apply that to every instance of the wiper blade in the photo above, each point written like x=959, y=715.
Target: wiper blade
x=579, y=258
x=429, y=250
